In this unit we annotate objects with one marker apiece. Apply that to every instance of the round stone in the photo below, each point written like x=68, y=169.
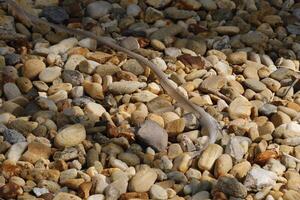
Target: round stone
x=33, y=67
x=55, y=14
x=70, y=136
x=158, y=192
x=98, y=9
x=49, y=74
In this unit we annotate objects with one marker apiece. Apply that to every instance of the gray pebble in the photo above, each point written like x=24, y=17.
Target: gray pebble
x=153, y=135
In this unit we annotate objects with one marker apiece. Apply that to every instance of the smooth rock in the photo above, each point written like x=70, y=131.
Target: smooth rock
x=158, y=3
x=158, y=192
x=49, y=74
x=98, y=9
x=107, y=69
x=72, y=76
x=55, y=14
x=94, y=90
x=213, y=83
x=208, y=4
x=152, y=15
x=209, y=156
x=223, y=165
x=24, y=84
x=11, y=91
x=133, y=66
x=65, y=196
x=153, y=135
x=63, y=46
x=73, y=61
x=130, y=43
x=125, y=87
x=96, y=197
x=16, y=150
x=142, y=180
x=231, y=187
x=70, y=136
x=160, y=63
x=89, y=43
x=36, y=151
x=255, y=85
x=240, y=107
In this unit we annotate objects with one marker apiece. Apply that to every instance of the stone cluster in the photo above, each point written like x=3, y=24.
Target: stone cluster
x=79, y=120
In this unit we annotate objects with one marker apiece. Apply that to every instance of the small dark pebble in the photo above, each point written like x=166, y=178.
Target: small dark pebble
x=13, y=136
x=12, y=59
x=55, y=14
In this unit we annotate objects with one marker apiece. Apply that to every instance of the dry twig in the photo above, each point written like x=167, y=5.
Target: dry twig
x=206, y=120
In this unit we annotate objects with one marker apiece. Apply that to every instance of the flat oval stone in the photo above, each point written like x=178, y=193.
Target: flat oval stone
x=70, y=136
x=143, y=180
x=33, y=67
x=49, y=74
x=11, y=90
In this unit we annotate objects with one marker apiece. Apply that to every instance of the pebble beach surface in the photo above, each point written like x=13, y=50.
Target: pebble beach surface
x=79, y=120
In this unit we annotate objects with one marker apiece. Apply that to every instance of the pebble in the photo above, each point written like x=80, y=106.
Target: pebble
x=142, y=180
x=133, y=10
x=49, y=74
x=152, y=15
x=63, y=46
x=89, y=43
x=64, y=195
x=72, y=76
x=15, y=151
x=130, y=43
x=107, y=69
x=164, y=32
x=213, y=83
x=133, y=66
x=125, y=87
x=129, y=158
x=36, y=151
x=96, y=197
x=172, y=52
x=12, y=59
x=254, y=37
x=24, y=84
x=158, y=3
x=237, y=147
x=98, y=9
x=223, y=165
x=33, y=67
x=231, y=30
x=60, y=95
x=157, y=192
x=160, y=63
x=40, y=191
x=73, y=61
x=209, y=156
x=178, y=14
x=258, y=178
x=240, y=107
x=70, y=136
x=94, y=90
x=55, y=14
x=11, y=91
x=12, y=136
x=231, y=187
x=209, y=4
x=153, y=135
x=255, y=85
x=267, y=109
